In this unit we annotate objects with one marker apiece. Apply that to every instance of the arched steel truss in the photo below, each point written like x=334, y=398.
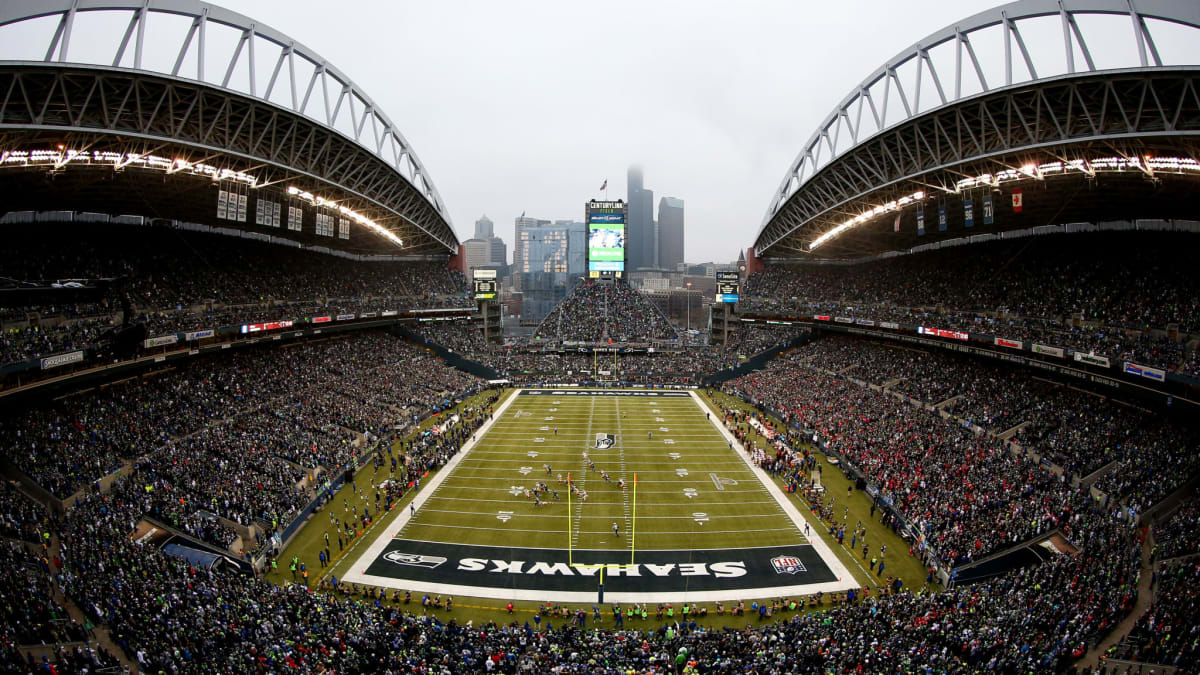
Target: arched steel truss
x=946, y=124
x=304, y=119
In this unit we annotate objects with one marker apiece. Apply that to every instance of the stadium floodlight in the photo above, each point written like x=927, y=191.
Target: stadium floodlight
x=867, y=215
x=349, y=213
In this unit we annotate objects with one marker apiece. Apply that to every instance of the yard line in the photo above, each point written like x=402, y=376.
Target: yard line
x=602, y=531
x=514, y=500
x=686, y=516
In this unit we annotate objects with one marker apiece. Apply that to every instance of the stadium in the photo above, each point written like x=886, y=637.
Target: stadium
x=256, y=419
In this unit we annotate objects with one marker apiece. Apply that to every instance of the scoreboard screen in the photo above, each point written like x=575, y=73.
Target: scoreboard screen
x=484, y=283
x=728, y=286
x=606, y=237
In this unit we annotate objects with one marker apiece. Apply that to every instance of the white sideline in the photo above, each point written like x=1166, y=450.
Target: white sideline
x=845, y=580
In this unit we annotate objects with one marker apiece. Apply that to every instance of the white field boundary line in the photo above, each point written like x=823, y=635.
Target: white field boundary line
x=382, y=538
x=845, y=579
x=835, y=564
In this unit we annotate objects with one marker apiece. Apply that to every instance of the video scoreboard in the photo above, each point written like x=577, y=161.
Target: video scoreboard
x=484, y=282
x=728, y=286
x=606, y=238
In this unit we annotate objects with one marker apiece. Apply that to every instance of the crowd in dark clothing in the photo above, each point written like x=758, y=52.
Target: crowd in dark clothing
x=1126, y=289
x=600, y=312
x=234, y=437
x=178, y=281
x=523, y=362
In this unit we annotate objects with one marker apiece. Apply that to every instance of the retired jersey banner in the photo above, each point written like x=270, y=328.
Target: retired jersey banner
x=969, y=213
x=921, y=221
x=941, y=217
x=989, y=210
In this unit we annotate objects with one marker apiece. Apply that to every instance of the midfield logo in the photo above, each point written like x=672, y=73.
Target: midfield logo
x=605, y=441
x=413, y=559
x=786, y=564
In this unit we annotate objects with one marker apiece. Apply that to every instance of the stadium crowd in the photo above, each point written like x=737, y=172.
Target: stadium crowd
x=246, y=431
x=996, y=499
x=597, y=312
x=1124, y=294
x=179, y=280
x=524, y=362
x=241, y=438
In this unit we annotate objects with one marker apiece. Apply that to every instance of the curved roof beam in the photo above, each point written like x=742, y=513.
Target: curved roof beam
x=882, y=92
x=348, y=115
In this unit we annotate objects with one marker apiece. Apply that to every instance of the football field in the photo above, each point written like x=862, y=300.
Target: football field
x=561, y=483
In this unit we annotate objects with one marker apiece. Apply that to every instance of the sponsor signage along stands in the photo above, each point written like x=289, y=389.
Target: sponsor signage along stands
x=865, y=322
x=843, y=319
x=820, y=317
x=1011, y=344
x=1093, y=359
x=1050, y=351
x=1145, y=371
x=389, y=312
x=321, y=319
x=198, y=335
x=952, y=334
x=270, y=325
x=344, y=317
x=889, y=324
x=160, y=341
x=61, y=360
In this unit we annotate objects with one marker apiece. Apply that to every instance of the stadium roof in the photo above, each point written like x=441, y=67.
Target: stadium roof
x=99, y=89
x=1039, y=112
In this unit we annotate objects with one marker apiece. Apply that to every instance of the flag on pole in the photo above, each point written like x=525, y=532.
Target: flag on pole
x=1018, y=201
x=896, y=225
x=604, y=185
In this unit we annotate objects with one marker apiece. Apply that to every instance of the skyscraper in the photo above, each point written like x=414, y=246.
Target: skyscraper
x=483, y=228
x=670, y=232
x=641, y=240
x=548, y=260
x=521, y=223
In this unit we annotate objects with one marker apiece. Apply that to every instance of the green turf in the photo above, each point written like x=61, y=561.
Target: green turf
x=674, y=452
x=310, y=539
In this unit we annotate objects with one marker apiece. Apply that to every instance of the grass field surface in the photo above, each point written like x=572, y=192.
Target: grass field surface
x=693, y=490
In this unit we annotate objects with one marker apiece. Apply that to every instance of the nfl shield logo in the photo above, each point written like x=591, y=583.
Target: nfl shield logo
x=786, y=564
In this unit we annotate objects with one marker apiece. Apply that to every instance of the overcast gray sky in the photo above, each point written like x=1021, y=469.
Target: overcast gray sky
x=529, y=105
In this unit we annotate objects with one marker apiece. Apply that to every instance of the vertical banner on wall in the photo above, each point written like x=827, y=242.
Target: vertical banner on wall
x=1018, y=198
x=969, y=213
x=941, y=217
x=921, y=220
x=988, y=209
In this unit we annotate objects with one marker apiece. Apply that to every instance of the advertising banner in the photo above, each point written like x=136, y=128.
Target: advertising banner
x=1092, y=359
x=61, y=360
x=160, y=341
x=1051, y=351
